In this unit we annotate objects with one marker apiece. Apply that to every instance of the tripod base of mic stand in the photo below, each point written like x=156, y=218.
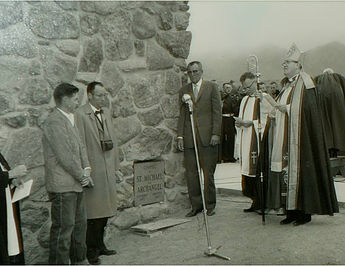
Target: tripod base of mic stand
x=213, y=252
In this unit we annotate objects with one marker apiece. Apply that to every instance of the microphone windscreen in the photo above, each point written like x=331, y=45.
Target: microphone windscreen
x=186, y=98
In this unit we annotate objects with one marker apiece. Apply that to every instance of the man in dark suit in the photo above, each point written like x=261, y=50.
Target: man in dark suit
x=207, y=120
x=67, y=171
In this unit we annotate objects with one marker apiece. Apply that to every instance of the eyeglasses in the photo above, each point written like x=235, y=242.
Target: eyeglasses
x=286, y=62
x=193, y=71
x=100, y=95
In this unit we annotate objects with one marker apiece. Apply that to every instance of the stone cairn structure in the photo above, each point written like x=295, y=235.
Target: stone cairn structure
x=137, y=49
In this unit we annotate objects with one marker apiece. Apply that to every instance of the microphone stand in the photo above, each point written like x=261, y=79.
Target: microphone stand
x=210, y=251
x=260, y=156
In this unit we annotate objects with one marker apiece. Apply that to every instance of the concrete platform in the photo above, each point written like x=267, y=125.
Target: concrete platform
x=228, y=181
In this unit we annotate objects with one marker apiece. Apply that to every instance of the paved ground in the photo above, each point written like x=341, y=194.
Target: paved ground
x=242, y=236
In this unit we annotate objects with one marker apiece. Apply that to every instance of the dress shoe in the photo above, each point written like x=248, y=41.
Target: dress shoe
x=302, y=221
x=251, y=209
x=192, y=213
x=211, y=212
x=94, y=261
x=288, y=220
x=107, y=252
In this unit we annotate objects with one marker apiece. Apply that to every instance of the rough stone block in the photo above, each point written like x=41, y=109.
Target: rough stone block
x=171, y=124
x=182, y=20
x=69, y=47
x=165, y=19
x=170, y=106
x=33, y=216
x=152, y=117
x=173, y=163
x=67, y=5
x=172, y=82
x=132, y=65
x=169, y=182
x=181, y=64
x=58, y=67
x=35, y=91
x=150, y=144
x=35, y=68
x=127, y=128
x=127, y=219
x=7, y=103
x=157, y=57
x=170, y=195
x=92, y=56
x=178, y=43
x=90, y=23
x=16, y=121
x=100, y=7
x=144, y=25
x=123, y=104
x=147, y=91
x=25, y=147
x=150, y=212
x=18, y=40
x=52, y=23
x=111, y=78
x=118, y=49
x=127, y=170
x=10, y=13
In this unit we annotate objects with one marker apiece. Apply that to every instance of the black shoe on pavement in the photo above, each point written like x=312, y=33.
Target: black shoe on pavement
x=107, y=252
x=305, y=220
x=288, y=220
x=251, y=209
x=211, y=212
x=94, y=261
x=192, y=213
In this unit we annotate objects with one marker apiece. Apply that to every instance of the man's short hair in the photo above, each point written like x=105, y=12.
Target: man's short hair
x=273, y=82
x=195, y=63
x=62, y=90
x=92, y=85
x=247, y=75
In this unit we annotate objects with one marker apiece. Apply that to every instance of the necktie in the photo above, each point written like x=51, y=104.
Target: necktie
x=195, y=91
x=99, y=118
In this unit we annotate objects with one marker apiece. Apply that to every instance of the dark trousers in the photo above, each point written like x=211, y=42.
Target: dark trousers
x=208, y=160
x=68, y=230
x=94, y=236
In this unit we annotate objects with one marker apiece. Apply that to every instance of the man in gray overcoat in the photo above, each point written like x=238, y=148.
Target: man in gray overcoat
x=97, y=132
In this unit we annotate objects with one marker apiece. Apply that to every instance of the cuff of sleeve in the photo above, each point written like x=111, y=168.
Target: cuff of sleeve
x=179, y=137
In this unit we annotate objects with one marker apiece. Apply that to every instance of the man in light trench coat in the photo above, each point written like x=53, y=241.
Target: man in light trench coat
x=97, y=132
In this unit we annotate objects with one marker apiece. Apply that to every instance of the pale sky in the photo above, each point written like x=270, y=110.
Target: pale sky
x=241, y=27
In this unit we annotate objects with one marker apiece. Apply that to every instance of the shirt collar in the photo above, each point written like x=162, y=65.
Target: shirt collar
x=69, y=116
x=198, y=84
x=293, y=78
x=94, y=109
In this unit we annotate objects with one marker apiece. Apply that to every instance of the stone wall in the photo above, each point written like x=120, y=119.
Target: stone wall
x=138, y=51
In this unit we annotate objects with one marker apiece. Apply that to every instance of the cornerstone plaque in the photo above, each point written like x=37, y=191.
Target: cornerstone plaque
x=148, y=182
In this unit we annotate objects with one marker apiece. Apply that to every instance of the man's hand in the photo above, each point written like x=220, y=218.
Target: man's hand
x=282, y=108
x=18, y=171
x=18, y=182
x=87, y=171
x=243, y=123
x=85, y=181
x=180, y=144
x=119, y=176
x=214, y=140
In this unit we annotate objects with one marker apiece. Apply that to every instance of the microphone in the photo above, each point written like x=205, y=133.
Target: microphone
x=187, y=99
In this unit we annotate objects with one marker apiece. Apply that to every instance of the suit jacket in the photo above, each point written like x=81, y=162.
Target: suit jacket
x=64, y=154
x=207, y=114
x=101, y=200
